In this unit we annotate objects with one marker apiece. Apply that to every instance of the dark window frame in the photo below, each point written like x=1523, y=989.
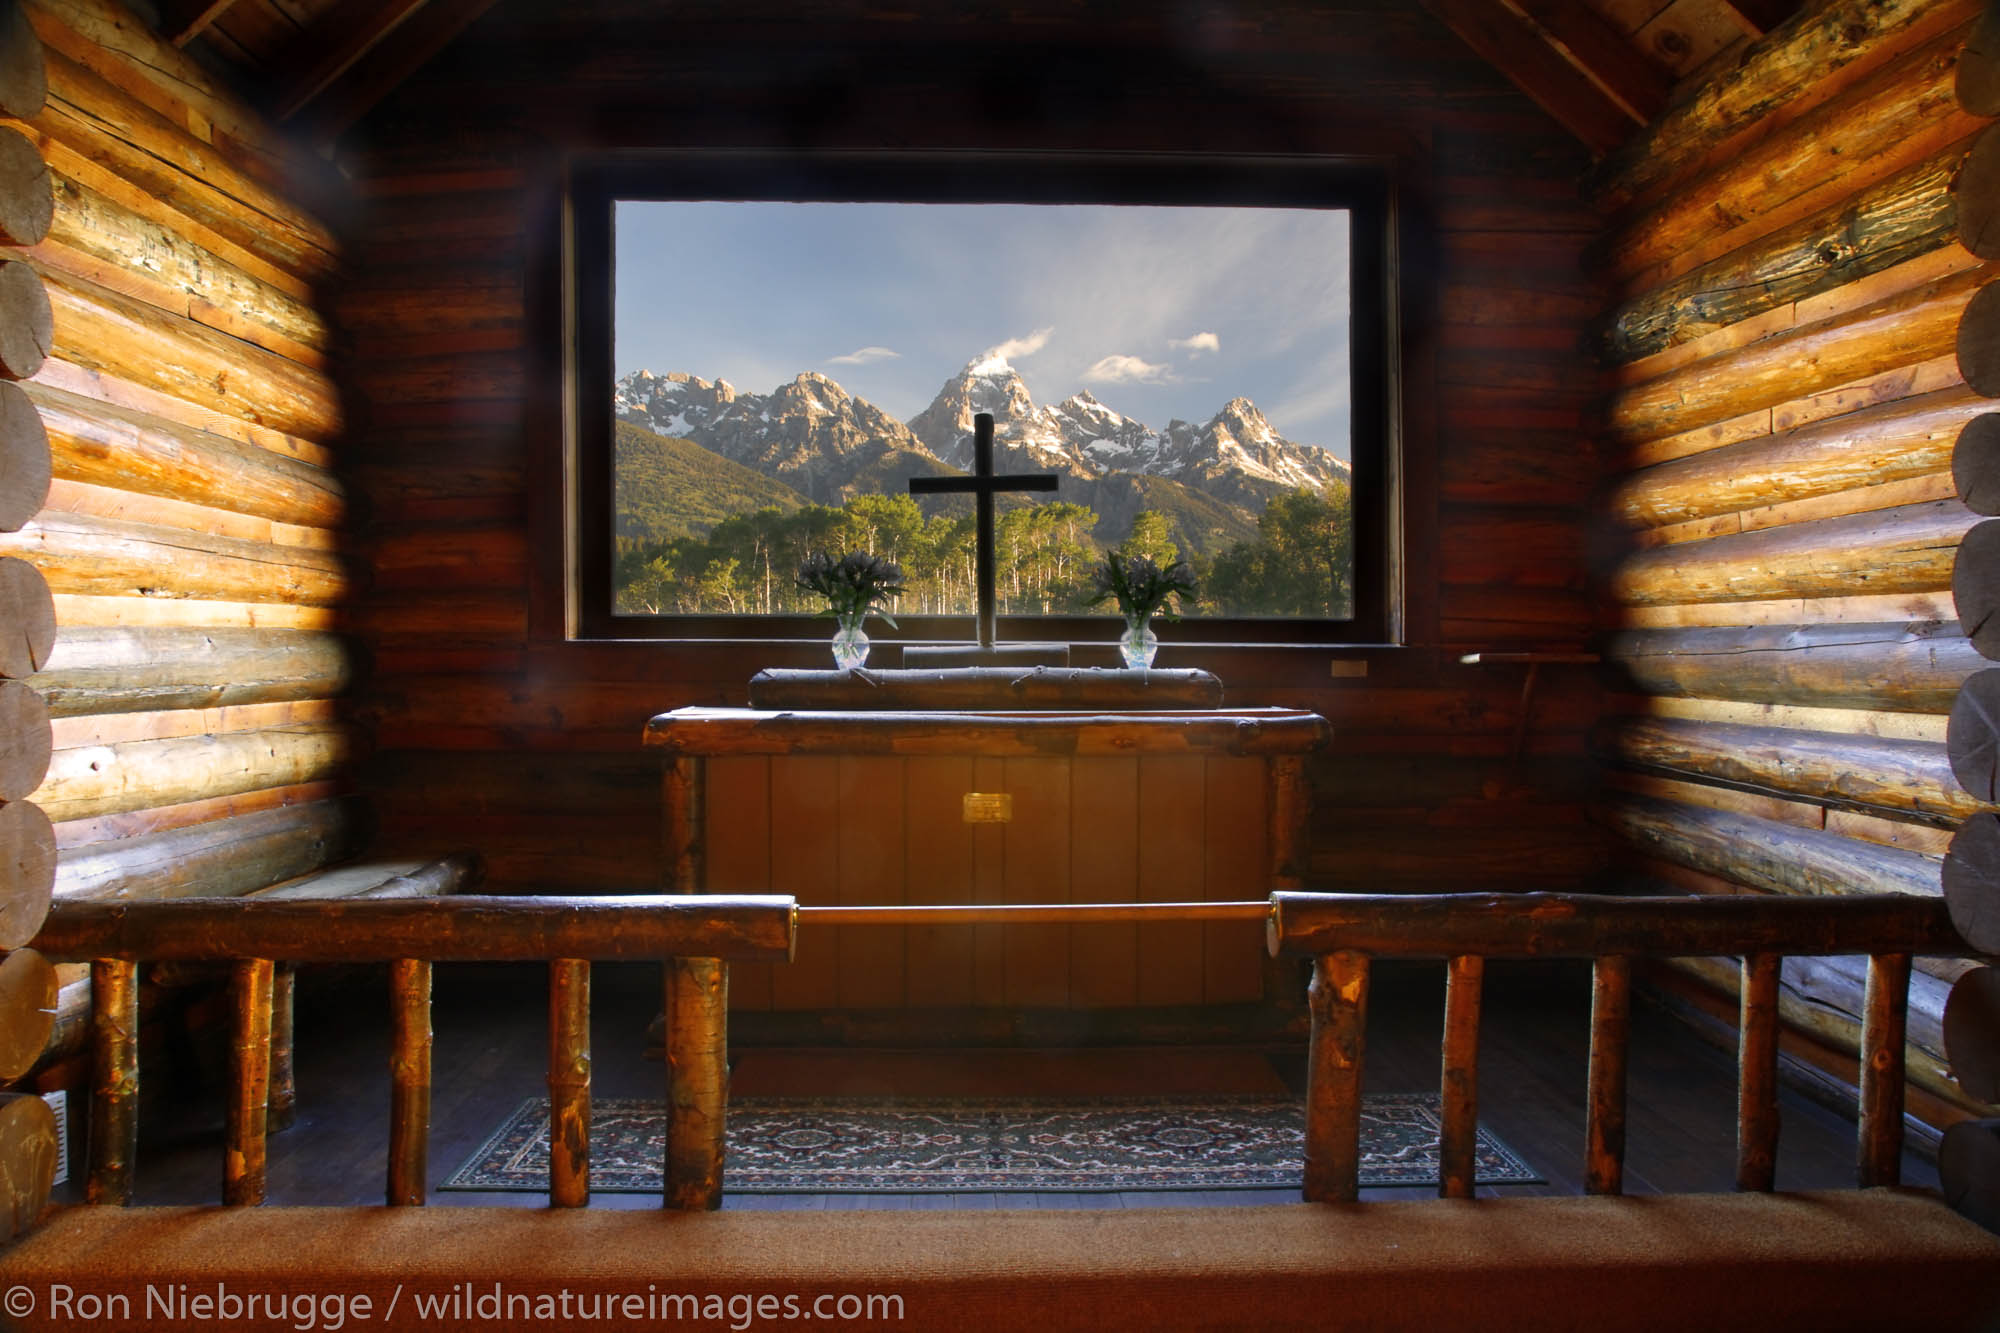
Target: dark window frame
x=1364, y=186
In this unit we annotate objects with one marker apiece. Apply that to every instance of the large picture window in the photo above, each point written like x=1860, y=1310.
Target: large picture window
x=768, y=350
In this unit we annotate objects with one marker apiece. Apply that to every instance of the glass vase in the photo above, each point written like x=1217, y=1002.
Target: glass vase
x=1138, y=643
x=850, y=645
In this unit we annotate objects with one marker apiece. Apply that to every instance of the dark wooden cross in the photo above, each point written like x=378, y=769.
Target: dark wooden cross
x=983, y=485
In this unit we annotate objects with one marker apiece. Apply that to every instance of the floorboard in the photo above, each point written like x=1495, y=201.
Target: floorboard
x=491, y=1049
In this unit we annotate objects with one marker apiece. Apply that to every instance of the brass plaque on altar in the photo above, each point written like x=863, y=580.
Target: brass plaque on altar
x=989, y=807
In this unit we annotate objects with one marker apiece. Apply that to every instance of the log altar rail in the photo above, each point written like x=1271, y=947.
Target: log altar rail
x=698, y=935
x=1341, y=933
x=695, y=937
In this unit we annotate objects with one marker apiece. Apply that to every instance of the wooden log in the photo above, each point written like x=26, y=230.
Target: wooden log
x=1975, y=586
x=114, y=1085
x=1972, y=1033
x=1898, y=330
x=409, y=1080
x=141, y=775
x=27, y=203
x=24, y=458
x=1338, y=1002
x=28, y=989
x=1901, y=779
x=985, y=687
x=1978, y=80
x=467, y=928
x=423, y=877
x=1571, y=925
x=1977, y=192
x=1971, y=881
x=1882, y=1029
x=1291, y=821
x=1458, y=1094
x=244, y=1128
x=1610, y=1043
x=24, y=85
x=1766, y=854
x=684, y=822
x=281, y=1106
x=1978, y=343
x=1912, y=437
x=28, y=1152
x=1975, y=464
x=27, y=321
x=1909, y=667
x=1969, y=1170
x=81, y=553
x=107, y=445
x=220, y=858
x=569, y=1083
x=1908, y=215
x=722, y=731
x=1786, y=62
x=27, y=871
x=25, y=740
x=1870, y=121
x=1910, y=548
x=697, y=1058
x=95, y=236
x=29, y=610
x=106, y=331
x=1972, y=737
x=153, y=668
x=1757, y=1074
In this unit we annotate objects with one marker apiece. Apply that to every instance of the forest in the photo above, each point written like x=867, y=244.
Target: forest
x=1300, y=563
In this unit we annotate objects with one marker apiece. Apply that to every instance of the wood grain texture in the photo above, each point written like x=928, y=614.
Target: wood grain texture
x=27, y=204
x=28, y=610
x=1912, y=667
x=24, y=84
x=27, y=871
x=25, y=468
x=25, y=740
x=27, y=321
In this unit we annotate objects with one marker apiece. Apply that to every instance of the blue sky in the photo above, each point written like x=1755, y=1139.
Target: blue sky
x=1159, y=312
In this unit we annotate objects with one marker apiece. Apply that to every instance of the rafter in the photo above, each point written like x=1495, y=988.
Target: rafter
x=330, y=100
x=1519, y=49
x=1602, y=53
x=339, y=39
x=183, y=20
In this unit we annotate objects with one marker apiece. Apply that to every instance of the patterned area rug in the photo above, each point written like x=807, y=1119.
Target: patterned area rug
x=840, y=1146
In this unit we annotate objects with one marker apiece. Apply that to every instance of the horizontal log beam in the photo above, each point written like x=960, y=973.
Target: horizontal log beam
x=221, y=858
x=1913, y=437
x=97, y=780
x=1898, y=330
x=1897, y=778
x=733, y=927
x=82, y=553
x=1910, y=214
x=1776, y=857
x=1910, y=548
x=143, y=669
x=723, y=731
x=1908, y=667
x=457, y=872
x=1554, y=925
x=984, y=687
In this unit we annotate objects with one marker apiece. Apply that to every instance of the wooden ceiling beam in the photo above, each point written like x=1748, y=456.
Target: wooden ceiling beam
x=1606, y=56
x=183, y=20
x=1762, y=15
x=337, y=42
x=1518, y=48
x=375, y=71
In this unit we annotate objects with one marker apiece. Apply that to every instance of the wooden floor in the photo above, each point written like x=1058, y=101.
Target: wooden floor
x=491, y=1050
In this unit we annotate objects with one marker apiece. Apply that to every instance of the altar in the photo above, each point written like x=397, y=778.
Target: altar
x=995, y=788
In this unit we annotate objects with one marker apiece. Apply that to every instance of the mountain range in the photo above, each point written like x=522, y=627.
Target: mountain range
x=1211, y=479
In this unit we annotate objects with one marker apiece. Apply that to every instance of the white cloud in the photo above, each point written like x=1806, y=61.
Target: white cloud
x=863, y=356
x=1015, y=347
x=1200, y=342
x=1125, y=370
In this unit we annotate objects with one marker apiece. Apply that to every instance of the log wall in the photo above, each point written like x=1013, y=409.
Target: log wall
x=493, y=731
x=184, y=545
x=1789, y=354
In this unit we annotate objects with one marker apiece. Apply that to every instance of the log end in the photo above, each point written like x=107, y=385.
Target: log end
x=29, y=612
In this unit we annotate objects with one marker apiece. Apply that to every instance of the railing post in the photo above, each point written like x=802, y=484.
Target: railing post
x=697, y=1058
x=409, y=1081
x=1338, y=1001
x=249, y=1084
x=569, y=1082
x=1458, y=1095
x=1757, y=1073
x=1610, y=1040
x=114, y=1095
x=283, y=1107
x=1886, y=1002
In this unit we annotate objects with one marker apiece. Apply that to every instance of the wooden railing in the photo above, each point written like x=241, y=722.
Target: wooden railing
x=1342, y=933
x=695, y=937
